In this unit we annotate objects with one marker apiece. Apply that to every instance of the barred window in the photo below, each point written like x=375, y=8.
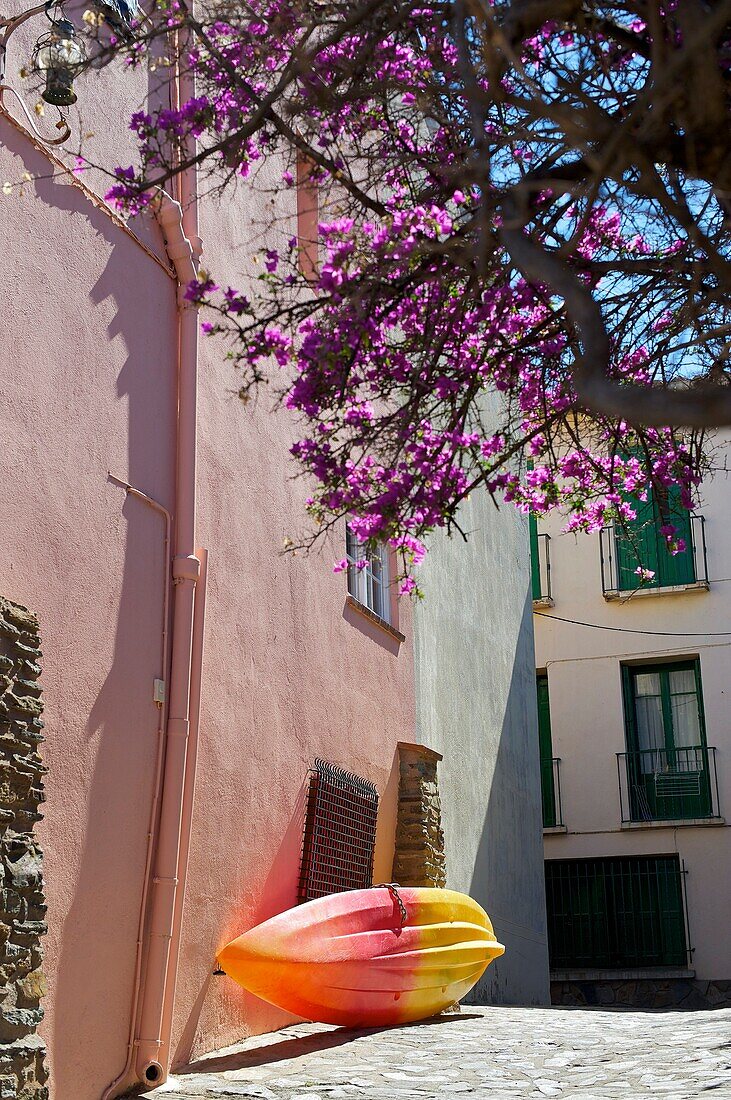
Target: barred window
x=616, y=912
x=340, y=832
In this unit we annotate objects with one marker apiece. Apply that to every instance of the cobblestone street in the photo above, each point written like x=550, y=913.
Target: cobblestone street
x=481, y=1053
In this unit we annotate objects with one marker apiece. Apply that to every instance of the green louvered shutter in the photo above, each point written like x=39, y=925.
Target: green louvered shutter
x=535, y=565
x=548, y=792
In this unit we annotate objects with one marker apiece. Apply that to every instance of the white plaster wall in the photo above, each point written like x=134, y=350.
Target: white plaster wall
x=476, y=705
x=587, y=721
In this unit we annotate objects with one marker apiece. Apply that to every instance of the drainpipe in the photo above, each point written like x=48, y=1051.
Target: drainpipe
x=188, y=803
x=179, y=221
x=156, y=784
x=150, y=1066
x=148, y=1052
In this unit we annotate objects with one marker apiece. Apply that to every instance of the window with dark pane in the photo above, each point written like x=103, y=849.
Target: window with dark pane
x=616, y=912
x=339, y=834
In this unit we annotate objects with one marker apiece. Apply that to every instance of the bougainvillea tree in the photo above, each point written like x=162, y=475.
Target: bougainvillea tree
x=523, y=266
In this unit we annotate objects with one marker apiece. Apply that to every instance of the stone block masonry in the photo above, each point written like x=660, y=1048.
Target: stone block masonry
x=688, y=994
x=23, y=1072
x=419, y=849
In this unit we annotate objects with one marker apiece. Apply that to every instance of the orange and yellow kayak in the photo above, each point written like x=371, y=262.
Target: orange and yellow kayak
x=366, y=958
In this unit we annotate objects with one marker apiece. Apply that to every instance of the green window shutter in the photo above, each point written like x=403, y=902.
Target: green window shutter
x=535, y=565
x=637, y=546
x=548, y=789
x=640, y=544
x=675, y=569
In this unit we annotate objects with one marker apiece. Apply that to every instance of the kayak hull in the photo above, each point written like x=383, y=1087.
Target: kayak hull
x=361, y=959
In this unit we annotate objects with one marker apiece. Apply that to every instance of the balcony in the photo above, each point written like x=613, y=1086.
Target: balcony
x=551, y=795
x=541, y=570
x=622, y=553
x=668, y=785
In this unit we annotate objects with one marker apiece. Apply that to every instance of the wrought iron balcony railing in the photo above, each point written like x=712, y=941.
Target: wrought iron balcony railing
x=624, y=556
x=668, y=784
x=551, y=793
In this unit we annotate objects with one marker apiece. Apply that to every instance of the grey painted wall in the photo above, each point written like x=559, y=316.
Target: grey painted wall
x=476, y=704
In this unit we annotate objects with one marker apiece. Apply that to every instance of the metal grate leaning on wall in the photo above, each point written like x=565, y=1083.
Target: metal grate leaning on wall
x=340, y=832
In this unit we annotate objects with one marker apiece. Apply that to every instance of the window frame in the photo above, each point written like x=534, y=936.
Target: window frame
x=662, y=669
x=540, y=563
x=371, y=586
x=672, y=759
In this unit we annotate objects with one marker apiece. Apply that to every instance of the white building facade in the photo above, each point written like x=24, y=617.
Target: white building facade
x=635, y=737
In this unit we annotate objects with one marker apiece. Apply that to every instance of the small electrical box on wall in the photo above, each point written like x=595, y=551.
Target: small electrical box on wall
x=158, y=692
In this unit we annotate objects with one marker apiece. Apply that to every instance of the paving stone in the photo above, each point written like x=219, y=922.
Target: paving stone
x=484, y=1054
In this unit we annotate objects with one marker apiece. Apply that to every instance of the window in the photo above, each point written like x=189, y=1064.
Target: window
x=615, y=913
x=340, y=832
x=640, y=545
x=540, y=564
x=370, y=584
x=550, y=788
x=667, y=759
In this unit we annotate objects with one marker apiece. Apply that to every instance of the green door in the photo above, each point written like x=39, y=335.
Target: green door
x=548, y=790
x=666, y=741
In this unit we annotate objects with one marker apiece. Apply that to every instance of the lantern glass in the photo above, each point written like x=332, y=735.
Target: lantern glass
x=60, y=56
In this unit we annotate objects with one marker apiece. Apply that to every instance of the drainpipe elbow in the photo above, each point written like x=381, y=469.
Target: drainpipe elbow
x=177, y=245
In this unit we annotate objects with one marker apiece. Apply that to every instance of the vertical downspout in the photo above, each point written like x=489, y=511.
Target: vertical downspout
x=123, y=1078
x=180, y=225
x=186, y=570
x=179, y=221
x=188, y=805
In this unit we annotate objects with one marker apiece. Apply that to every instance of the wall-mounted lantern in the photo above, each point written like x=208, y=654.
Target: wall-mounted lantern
x=60, y=56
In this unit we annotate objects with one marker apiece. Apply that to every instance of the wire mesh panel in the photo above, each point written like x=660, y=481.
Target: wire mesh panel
x=616, y=912
x=668, y=784
x=340, y=832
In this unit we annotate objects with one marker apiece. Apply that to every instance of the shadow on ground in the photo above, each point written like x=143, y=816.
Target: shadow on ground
x=287, y=1049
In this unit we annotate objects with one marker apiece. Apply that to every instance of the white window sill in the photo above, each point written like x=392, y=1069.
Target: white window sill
x=670, y=590
x=675, y=823
x=545, y=601
x=550, y=830
x=373, y=618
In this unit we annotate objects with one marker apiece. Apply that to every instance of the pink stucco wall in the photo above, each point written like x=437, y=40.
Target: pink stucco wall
x=88, y=385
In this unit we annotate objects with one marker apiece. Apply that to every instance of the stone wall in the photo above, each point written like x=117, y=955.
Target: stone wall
x=22, y=908
x=419, y=850
x=647, y=993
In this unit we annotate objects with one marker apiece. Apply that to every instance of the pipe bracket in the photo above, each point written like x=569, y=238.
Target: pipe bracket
x=178, y=727
x=186, y=567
